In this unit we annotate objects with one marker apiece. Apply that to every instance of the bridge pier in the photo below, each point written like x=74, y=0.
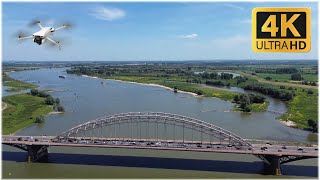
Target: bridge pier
x=274, y=168
x=37, y=153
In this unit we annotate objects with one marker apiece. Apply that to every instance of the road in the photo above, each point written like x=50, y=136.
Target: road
x=179, y=145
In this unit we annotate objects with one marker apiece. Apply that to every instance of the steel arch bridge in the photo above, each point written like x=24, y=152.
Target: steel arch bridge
x=37, y=146
x=158, y=117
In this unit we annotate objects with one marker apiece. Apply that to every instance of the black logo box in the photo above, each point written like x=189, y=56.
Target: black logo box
x=300, y=24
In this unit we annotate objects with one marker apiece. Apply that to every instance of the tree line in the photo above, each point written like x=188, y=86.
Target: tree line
x=214, y=75
x=270, y=90
x=284, y=70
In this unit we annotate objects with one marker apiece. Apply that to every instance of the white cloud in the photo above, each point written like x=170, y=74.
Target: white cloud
x=107, y=13
x=188, y=36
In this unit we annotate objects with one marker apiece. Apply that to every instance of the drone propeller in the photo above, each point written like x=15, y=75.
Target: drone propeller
x=34, y=22
x=58, y=42
x=21, y=35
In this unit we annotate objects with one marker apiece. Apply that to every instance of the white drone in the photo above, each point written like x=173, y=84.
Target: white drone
x=44, y=34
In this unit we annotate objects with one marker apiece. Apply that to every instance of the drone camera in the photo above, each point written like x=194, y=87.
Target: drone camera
x=38, y=40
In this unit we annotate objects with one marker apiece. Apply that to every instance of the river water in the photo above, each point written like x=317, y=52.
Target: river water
x=88, y=98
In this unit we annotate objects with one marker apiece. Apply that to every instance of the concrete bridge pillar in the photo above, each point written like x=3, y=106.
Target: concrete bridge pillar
x=274, y=167
x=37, y=153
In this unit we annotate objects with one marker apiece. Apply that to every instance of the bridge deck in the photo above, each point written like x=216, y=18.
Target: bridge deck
x=177, y=145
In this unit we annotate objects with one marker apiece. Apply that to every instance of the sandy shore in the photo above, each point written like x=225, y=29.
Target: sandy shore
x=146, y=84
x=89, y=76
x=289, y=123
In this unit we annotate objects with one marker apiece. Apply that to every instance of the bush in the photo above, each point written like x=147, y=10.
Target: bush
x=310, y=91
x=43, y=94
x=268, y=78
x=39, y=119
x=236, y=98
x=57, y=101
x=313, y=125
x=49, y=100
x=296, y=77
x=199, y=92
x=247, y=109
x=60, y=108
x=34, y=92
x=215, y=83
x=282, y=87
x=256, y=98
x=244, y=101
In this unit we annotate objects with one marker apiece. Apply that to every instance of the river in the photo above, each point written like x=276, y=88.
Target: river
x=87, y=98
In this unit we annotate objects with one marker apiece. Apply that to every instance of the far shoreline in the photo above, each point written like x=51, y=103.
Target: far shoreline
x=146, y=84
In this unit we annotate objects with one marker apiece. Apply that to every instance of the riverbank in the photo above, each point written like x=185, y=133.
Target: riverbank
x=288, y=123
x=16, y=86
x=21, y=111
x=146, y=84
x=183, y=87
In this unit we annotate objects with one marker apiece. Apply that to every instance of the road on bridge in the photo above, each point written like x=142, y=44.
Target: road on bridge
x=159, y=144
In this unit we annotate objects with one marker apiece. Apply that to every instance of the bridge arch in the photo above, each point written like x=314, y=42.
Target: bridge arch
x=158, y=117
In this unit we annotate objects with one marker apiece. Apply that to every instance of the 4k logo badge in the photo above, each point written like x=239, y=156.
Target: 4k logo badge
x=281, y=29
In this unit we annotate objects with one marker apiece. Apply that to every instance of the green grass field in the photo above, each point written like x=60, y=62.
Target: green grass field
x=16, y=85
x=287, y=77
x=303, y=107
x=259, y=107
x=21, y=111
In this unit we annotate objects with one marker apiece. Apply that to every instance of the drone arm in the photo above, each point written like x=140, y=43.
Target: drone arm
x=39, y=25
x=26, y=37
x=60, y=27
x=54, y=42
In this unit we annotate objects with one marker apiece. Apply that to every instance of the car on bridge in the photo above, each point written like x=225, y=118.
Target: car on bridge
x=264, y=148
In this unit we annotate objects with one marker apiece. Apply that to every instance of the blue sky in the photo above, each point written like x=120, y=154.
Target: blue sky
x=143, y=31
